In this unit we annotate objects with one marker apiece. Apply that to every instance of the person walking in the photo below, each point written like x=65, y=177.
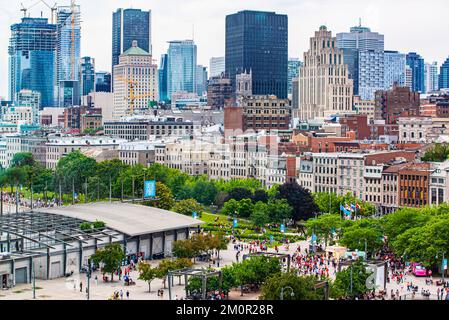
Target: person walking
x=81, y=287
x=96, y=280
x=127, y=294
x=121, y=294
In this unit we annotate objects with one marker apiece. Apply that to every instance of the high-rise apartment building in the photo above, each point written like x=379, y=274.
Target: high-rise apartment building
x=181, y=67
x=257, y=42
x=293, y=72
x=87, y=75
x=129, y=25
x=103, y=81
x=135, y=82
x=219, y=92
x=364, y=54
x=416, y=63
x=32, y=54
x=216, y=66
x=431, y=77
x=324, y=85
x=394, y=69
x=444, y=75
x=68, y=55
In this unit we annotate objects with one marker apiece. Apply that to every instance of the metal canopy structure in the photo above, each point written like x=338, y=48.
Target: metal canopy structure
x=39, y=230
x=280, y=256
x=200, y=273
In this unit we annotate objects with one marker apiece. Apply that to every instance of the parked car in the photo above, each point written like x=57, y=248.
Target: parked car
x=419, y=270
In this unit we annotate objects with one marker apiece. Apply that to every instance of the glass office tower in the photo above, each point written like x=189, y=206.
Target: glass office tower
x=258, y=42
x=181, y=67
x=32, y=54
x=103, y=81
x=394, y=69
x=444, y=75
x=129, y=25
x=68, y=56
x=163, y=78
x=364, y=54
x=416, y=64
x=87, y=76
x=293, y=72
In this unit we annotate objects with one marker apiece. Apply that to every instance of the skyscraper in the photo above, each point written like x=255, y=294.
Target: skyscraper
x=293, y=72
x=181, y=71
x=201, y=80
x=257, y=42
x=103, y=81
x=444, y=75
x=324, y=86
x=68, y=55
x=87, y=75
x=431, y=77
x=135, y=82
x=364, y=54
x=416, y=63
x=216, y=66
x=394, y=69
x=32, y=99
x=163, y=78
x=129, y=25
x=32, y=54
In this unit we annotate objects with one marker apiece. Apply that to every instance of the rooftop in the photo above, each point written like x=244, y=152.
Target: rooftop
x=130, y=219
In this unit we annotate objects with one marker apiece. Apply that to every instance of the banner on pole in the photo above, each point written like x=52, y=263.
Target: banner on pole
x=149, y=189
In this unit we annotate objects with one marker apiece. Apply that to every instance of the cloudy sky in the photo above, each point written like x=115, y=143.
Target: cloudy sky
x=408, y=25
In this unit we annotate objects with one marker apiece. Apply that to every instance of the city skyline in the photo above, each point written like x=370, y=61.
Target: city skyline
x=209, y=25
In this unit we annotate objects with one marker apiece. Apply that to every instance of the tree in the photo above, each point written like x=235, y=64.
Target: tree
x=15, y=176
x=111, y=257
x=260, y=195
x=342, y=284
x=75, y=168
x=245, y=208
x=438, y=153
x=187, y=207
x=239, y=194
x=279, y=210
x=147, y=273
x=22, y=159
x=204, y=191
x=324, y=227
x=230, y=207
x=368, y=230
x=165, y=198
x=403, y=220
x=303, y=288
x=183, y=249
x=300, y=199
x=260, y=216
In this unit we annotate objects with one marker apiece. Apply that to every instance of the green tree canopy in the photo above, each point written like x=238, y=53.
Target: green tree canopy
x=292, y=286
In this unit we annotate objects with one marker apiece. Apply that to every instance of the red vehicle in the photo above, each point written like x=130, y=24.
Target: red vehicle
x=418, y=270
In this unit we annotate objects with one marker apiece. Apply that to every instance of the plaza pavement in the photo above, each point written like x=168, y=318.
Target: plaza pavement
x=63, y=288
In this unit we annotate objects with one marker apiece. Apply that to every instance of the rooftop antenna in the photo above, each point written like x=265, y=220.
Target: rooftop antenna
x=360, y=22
x=193, y=32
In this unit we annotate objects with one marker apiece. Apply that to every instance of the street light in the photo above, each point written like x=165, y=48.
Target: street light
x=292, y=294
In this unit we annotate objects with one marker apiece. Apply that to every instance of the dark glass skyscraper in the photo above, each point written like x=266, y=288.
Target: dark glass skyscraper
x=444, y=75
x=87, y=76
x=416, y=63
x=258, y=41
x=129, y=25
x=103, y=81
x=163, y=78
x=32, y=54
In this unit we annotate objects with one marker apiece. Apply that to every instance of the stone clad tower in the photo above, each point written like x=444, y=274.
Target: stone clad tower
x=324, y=86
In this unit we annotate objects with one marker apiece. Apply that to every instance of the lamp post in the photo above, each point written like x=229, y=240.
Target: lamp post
x=292, y=294
x=88, y=274
x=34, y=279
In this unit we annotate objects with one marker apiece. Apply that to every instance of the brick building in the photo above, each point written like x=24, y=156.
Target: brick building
x=414, y=185
x=395, y=103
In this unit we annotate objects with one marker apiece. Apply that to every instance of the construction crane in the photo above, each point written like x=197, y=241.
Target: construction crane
x=132, y=96
x=53, y=9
